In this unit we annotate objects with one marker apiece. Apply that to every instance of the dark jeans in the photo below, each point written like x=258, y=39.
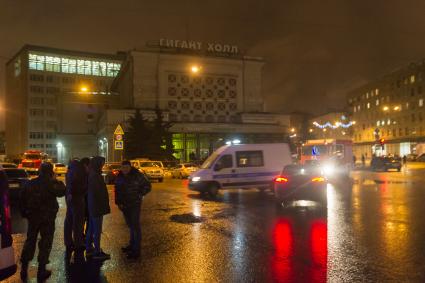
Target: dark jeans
x=45, y=225
x=94, y=233
x=74, y=223
x=132, y=218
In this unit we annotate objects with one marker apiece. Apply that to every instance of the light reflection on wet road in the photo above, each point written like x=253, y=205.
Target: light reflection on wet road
x=372, y=230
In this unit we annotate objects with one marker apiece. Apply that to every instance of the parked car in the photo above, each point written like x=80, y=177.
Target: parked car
x=241, y=166
x=301, y=182
x=110, y=171
x=183, y=170
x=154, y=170
x=7, y=257
x=60, y=169
x=8, y=165
x=17, y=178
x=385, y=163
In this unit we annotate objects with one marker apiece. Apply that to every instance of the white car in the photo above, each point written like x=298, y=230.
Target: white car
x=183, y=170
x=152, y=169
x=60, y=169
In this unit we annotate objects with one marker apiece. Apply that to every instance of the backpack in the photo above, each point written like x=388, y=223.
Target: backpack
x=30, y=198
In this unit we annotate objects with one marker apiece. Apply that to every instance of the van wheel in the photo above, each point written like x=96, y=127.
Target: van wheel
x=213, y=190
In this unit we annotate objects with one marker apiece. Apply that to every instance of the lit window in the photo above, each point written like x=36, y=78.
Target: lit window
x=421, y=102
x=40, y=63
x=96, y=71
x=355, y=109
x=412, y=79
x=65, y=65
x=102, y=68
x=32, y=61
x=368, y=105
x=378, y=123
x=367, y=95
x=80, y=67
x=87, y=67
x=389, y=122
x=376, y=91
x=72, y=66
x=407, y=105
x=377, y=102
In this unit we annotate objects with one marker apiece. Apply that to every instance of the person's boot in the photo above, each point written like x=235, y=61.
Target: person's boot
x=43, y=273
x=24, y=271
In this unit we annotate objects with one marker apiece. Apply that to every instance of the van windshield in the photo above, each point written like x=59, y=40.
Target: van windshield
x=210, y=161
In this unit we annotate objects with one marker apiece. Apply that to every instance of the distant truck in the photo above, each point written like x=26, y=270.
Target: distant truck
x=333, y=155
x=32, y=160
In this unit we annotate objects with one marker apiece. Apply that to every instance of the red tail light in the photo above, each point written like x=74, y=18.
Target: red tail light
x=281, y=179
x=318, y=179
x=115, y=172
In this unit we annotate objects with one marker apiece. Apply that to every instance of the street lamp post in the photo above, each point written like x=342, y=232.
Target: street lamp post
x=107, y=149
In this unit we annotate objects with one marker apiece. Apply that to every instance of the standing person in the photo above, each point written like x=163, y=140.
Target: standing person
x=76, y=190
x=85, y=161
x=39, y=205
x=363, y=161
x=354, y=160
x=404, y=159
x=98, y=206
x=130, y=187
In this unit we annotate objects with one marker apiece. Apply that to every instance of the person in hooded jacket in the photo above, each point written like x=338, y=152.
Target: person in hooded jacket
x=76, y=190
x=39, y=205
x=98, y=206
x=130, y=187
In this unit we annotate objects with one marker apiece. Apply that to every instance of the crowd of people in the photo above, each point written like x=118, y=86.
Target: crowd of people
x=87, y=202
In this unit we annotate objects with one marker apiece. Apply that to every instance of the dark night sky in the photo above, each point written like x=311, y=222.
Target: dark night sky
x=314, y=50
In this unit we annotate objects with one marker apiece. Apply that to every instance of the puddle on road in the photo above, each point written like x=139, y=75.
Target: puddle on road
x=187, y=218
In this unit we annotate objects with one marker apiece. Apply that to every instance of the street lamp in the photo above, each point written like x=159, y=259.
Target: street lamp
x=107, y=149
x=59, y=147
x=385, y=108
x=195, y=69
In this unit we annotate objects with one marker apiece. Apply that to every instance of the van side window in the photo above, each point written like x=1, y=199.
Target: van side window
x=224, y=162
x=250, y=158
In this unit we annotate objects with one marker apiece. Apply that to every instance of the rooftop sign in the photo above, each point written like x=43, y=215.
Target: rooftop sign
x=211, y=47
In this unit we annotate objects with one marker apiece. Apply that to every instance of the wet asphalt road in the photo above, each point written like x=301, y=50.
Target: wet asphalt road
x=372, y=231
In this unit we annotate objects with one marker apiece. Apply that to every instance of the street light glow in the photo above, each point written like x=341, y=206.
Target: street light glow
x=385, y=108
x=84, y=88
x=195, y=69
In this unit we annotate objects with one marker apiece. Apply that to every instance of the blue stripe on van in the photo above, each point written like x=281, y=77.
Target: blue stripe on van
x=246, y=175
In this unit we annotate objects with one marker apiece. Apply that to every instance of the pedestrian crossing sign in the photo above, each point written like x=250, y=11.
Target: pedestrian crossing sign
x=119, y=130
x=119, y=145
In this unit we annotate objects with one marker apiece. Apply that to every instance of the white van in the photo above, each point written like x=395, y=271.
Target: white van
x=241, y=166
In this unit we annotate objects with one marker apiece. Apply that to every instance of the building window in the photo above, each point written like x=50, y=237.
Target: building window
x=50, y=101
x=51, y=125
x=36, y=101
x=36, y=112
x=36, y=78
x=50, y=112
x=52, y=90
x=421, y=102
x=412, y=79
x=368, y=105
x=36, y=135
x=36, y=89
x=50, y=135
x=377, y=102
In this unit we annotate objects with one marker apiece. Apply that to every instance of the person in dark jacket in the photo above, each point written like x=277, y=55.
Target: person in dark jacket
x=76, y=190
x=98, y=206
x=40, y=206
x=130, y=187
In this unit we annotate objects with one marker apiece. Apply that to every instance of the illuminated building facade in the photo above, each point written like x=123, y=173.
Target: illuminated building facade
x=210, y=96
x=390, y=108
x=54, y=98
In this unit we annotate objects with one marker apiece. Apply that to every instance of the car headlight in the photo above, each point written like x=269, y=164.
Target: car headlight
x=328, y=169
x=196, y=179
